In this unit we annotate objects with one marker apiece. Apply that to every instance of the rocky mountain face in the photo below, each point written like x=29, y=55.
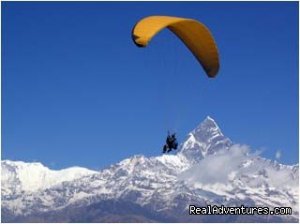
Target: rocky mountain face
x=208, y=169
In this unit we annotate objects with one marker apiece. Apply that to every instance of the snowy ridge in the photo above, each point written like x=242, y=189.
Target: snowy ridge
x=208, y=169
x=32, y=177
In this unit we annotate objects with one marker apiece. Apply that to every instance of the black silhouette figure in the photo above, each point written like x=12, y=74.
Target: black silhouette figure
x=171, y=143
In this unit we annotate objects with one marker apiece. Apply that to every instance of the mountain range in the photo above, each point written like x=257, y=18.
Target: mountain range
x=207, y=169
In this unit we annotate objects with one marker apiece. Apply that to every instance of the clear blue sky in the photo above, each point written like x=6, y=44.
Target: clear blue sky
x=77, y=91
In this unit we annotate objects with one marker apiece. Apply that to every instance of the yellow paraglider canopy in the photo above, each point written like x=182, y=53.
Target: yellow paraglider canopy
x=191, y=32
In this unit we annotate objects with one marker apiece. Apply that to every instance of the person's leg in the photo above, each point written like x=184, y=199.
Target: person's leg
x=165, y=149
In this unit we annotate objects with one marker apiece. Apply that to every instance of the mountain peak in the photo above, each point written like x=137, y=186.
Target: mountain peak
x=208, y=118
x=206, y=138
x=208, y=126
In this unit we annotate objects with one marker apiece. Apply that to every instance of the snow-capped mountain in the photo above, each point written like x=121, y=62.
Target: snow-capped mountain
x=206, y=139
x=208, y=169
x=18, y=177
